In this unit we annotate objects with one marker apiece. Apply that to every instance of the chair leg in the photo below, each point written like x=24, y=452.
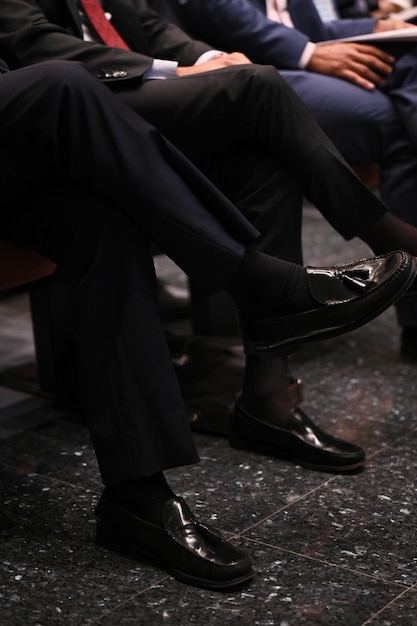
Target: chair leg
x=54, y=343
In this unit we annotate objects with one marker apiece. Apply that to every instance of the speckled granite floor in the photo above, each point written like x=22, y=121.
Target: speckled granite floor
x=327, y=549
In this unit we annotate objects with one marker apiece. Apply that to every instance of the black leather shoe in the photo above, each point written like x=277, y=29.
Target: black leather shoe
x=185, y=548
x=349, y=295
x=301, y=442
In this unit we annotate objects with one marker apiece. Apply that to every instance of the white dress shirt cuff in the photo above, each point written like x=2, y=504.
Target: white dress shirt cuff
x=307, y=54
x=160, y=70
x=210, y=54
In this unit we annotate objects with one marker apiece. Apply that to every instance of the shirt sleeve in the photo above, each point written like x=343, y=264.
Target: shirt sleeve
x=160, y=70
x=210, y=54
x=307, y=54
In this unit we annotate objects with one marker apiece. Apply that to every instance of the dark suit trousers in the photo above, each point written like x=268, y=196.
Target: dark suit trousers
x=133, y=404
x=90, y=184
x=217, y=115
x=242, y=124
x=131, y=399
x=373, y=126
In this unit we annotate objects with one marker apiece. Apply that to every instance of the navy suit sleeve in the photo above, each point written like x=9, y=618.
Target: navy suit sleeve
x=238, y=26
x=350, y=28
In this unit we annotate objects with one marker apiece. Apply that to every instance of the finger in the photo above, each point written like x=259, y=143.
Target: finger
x=370, y=74
x=371, y=61
x=359, y=80
x=374, y=52
x=378, y=66
x=364, y=74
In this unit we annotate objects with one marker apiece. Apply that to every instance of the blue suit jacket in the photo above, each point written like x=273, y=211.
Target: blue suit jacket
x=244, y=27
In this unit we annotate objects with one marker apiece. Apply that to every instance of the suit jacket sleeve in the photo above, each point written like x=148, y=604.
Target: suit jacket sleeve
x=242, y=25
x=33, y=31
x=306, y=18
x=238, y=25
x=348, y=28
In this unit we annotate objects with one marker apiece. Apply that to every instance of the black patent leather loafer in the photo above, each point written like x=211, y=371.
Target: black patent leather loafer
x=301, y=442
x=188, y=550
x=348, y=297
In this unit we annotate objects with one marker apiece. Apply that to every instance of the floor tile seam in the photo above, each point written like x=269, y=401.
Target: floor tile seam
x=145, y=589
x=21, y=524
x=52, y=478
x=327, y=378
x=394, y=422
x=390, y=446
x=288, y=505
x=343, y=370
x=412, y=429
x=4, y=464
x=78, y=486
x=344, y=568
x=388, y=605
x=106, y=613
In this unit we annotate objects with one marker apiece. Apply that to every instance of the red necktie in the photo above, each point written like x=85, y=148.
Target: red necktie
x=101, y=24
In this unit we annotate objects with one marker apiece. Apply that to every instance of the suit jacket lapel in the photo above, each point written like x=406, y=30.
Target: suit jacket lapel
x=306, y=18
x=75, y=14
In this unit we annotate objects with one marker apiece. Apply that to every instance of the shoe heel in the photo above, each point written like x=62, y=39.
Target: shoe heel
x=106, y=539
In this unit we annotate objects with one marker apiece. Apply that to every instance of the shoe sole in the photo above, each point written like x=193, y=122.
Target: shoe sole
x=240, y=444
x=107, y=540
x=284, y=348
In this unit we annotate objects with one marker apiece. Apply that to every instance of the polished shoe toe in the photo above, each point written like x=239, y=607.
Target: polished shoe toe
x=187, y=549
x=348, y=296
x=301, y=442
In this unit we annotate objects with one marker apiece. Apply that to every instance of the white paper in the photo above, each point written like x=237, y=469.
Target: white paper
x=403, y=34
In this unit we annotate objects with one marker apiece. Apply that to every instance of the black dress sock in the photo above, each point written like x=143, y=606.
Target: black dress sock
x=266, y=285
x=265, y=393
x=390, y=232
x=144, y=497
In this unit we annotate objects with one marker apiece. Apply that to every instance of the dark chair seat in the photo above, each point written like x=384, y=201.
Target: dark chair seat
x=20, y=266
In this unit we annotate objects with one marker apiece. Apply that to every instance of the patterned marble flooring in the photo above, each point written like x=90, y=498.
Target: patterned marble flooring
x=328, y=550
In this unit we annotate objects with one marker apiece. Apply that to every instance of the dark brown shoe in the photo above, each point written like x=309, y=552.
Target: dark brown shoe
x=188, y=550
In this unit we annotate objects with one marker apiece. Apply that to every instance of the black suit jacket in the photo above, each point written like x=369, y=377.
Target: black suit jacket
x=33, y=31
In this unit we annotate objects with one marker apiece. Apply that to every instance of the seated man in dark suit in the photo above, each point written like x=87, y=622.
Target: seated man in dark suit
x=363, y=98
x=57, y=124
x=249, y=133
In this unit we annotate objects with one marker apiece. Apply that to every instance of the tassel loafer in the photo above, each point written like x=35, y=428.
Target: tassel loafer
x=348, y=296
